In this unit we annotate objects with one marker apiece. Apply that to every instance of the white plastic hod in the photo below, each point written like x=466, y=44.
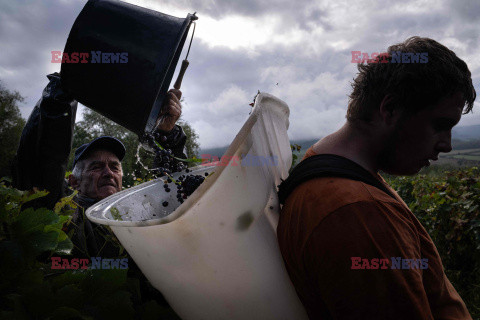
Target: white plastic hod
x=216, y=256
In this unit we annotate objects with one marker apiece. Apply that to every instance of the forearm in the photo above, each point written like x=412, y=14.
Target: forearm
x=46, y=142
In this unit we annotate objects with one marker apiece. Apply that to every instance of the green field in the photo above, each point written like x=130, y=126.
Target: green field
x=465, y=151
x=466, y=156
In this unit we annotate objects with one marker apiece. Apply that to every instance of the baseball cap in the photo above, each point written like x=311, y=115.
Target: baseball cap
x=106, y=142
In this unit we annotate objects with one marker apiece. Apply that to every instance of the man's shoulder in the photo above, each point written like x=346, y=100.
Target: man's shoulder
x=314, y=200
x=335, y=192
x=334, y=203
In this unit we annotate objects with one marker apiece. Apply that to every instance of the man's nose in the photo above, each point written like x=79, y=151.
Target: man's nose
x=107, y=171
x=445, y=144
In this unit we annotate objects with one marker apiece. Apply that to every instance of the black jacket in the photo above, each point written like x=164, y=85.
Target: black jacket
x=42, y=155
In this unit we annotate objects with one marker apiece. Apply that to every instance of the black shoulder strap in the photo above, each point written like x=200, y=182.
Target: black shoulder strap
x=327, y=165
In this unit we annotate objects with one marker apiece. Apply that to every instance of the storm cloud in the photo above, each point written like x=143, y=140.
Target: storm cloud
x=297, y=51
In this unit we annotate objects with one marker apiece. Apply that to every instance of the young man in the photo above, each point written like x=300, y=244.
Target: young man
x=42, y=157
x=347, y=244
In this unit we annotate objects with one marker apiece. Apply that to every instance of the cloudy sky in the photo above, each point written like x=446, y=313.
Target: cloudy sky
x=299, y=51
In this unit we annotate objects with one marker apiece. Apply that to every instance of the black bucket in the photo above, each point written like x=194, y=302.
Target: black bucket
x=132, y=55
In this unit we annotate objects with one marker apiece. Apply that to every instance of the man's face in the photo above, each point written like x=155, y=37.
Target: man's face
x=101, y=176
x=422, y=136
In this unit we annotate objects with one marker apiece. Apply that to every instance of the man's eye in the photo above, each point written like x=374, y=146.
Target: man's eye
x=441, y=127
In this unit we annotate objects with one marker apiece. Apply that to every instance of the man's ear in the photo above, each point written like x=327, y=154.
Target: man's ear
x=73, y=182
x=389, y=111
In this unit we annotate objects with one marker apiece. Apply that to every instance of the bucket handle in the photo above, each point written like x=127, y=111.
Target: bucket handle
x=185, y=63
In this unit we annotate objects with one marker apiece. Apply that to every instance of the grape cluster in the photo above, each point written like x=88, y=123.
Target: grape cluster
x=164, y=162
x=186, y=185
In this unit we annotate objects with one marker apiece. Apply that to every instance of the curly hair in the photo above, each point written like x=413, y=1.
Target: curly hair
x=412, y=86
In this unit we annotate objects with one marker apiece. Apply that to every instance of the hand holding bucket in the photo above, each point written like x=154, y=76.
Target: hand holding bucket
x=171, y=111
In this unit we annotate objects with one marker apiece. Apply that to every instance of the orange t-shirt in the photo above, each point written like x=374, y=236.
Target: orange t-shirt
x=346, y=246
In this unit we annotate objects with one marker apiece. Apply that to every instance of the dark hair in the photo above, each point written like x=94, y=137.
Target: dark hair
x=412, y=86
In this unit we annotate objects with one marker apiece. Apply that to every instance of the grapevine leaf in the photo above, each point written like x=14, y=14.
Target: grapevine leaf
x=116, y=214
x=32, y=195
x=30, y=220
x=65, y=201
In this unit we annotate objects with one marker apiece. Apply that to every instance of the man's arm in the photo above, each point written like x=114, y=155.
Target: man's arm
x=45, y=145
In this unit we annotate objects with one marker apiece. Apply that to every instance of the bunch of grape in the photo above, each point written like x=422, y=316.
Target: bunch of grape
x=164, y=162
x=186, y=185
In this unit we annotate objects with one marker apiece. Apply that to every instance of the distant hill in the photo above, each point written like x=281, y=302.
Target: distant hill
x=218, y=152
x=466, y=137
x=466, y=132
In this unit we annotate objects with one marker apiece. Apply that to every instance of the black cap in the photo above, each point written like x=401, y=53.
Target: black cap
x=106, y=142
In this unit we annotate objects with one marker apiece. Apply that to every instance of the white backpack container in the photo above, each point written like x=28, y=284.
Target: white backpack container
x=216, y=255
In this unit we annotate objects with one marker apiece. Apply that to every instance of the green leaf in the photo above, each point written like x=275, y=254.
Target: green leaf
x=32, y=195
x=64, y=246
x=70, y=277
x=31, y=220
x=38, y=242
x=116, y=214
x=65, y=201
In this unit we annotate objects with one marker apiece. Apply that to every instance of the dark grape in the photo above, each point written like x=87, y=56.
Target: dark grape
x=188, y=185
x=164, y=164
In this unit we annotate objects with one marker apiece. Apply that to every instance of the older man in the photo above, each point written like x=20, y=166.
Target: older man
x=351, y=245
x=43, y=154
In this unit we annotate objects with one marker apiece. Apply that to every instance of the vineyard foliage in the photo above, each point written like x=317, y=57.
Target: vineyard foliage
x=448, y=206
x=31, y=289
x=446, y=203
